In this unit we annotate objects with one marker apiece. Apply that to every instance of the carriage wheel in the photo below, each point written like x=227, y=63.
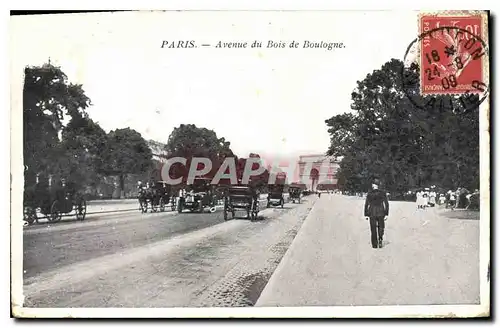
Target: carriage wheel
x=254, y=216
x=162, y=205
x=226, y=208
x=55, y=215
x=252, y=210
x=143, y=206
x=29, y=214
x=256, y=209
x=81, y=210
x=249, y=210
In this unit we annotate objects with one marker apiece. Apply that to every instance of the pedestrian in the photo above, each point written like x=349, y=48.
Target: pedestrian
x=462, y=200
x=451, y=200
x=425, y=196
x=442, y=199
x=420, y=199
x=376, y=210
x=432, y=198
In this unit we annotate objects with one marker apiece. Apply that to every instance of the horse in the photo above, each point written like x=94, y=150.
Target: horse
x=147, y=195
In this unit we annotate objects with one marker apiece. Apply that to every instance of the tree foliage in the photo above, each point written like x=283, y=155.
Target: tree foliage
x=81, y=150
x=48, y=97
x=188, y=141
x=125, y=152
x=407, y=146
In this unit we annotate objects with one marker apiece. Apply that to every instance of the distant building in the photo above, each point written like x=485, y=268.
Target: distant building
x=159, y=158
x=158, y=150
x=318, y=170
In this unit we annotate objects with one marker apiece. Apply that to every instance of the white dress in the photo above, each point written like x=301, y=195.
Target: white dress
x=432, y=198
x=419, y=198
x=425, y=199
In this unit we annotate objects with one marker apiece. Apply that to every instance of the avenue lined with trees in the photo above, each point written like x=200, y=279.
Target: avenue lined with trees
x=385, y=135
x=62, y=142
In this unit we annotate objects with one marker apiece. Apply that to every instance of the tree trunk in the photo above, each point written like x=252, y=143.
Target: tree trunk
x=122, y=185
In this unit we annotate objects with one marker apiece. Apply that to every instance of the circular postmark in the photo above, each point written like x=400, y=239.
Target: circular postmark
x=444, y=70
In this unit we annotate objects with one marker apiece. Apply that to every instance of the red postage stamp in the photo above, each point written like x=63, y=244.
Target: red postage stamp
x=452, y=51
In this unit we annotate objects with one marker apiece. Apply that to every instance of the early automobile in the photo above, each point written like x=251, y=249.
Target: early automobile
x=199, y=196
x=275, y=195
x=53, y=202
x=295, y=194
x=241, y=198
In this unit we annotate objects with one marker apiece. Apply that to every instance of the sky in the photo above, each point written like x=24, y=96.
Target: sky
x=263, y=100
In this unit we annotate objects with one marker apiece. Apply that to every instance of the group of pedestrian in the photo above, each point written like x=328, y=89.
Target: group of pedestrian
x=453, y=199
x=376, y=208
x=426, y=197
x=462, y=198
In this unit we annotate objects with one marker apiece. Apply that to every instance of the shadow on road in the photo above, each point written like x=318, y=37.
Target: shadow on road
x=244, y=217
x=94, y=216
x=460, y=214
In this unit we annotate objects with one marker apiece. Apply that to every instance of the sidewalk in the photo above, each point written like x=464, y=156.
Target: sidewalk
x=115, y=205
x=112, y=205
x=120, y=205
x=427, y=259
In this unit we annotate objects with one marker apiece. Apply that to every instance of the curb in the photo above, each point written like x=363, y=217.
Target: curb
x=113, y=211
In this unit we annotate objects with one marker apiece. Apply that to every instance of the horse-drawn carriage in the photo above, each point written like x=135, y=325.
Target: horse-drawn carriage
x=295, y=194
x=53, y=202
x=275, y=195
x=242, y=198
x=199, y=196
x=156, y=196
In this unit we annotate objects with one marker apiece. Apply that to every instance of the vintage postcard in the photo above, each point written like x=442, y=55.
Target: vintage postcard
x=302, y=164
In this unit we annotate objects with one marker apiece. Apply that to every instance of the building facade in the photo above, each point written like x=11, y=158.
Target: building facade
x=158, y=150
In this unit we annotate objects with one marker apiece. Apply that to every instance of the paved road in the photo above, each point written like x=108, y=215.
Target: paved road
x=52, y=246
x=430, y=257
x=156, y=259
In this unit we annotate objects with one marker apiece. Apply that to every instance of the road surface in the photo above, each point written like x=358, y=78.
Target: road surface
x=129, y=259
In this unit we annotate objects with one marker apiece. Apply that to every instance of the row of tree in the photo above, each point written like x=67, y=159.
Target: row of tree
x=61, y=141
x=390, y=136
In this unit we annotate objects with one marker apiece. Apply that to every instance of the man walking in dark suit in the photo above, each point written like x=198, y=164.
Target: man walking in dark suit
x=376, y=210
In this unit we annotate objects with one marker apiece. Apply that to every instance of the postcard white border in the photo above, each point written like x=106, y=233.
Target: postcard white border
x=16, y=80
